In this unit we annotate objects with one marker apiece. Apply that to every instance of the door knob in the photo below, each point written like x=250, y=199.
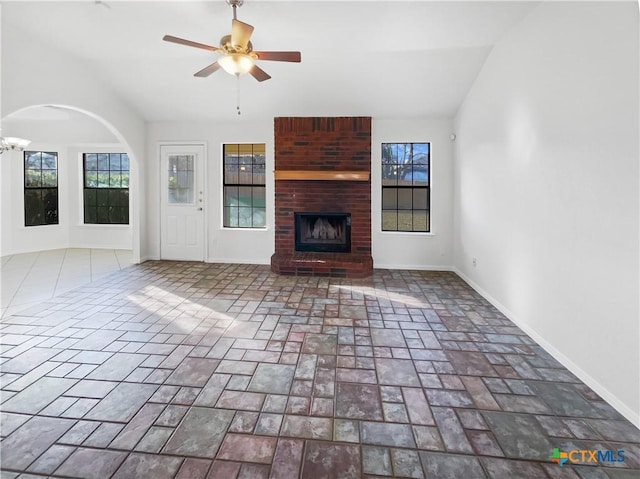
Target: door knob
x=200, y=209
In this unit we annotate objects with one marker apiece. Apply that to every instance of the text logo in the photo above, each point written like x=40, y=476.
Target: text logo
x=586, y=456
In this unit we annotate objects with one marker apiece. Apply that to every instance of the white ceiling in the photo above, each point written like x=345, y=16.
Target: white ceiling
x=386, y=59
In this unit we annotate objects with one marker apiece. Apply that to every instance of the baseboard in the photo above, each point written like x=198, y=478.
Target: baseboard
x=412, y=267
x=604, y=393
x=146, y=258
x=236, y=261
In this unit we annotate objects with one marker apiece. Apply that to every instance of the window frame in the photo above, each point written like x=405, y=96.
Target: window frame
x=108, y=189
x=413, y=188
x=226, y=224
x=26, y=188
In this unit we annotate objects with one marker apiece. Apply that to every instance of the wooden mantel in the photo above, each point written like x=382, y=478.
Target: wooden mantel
x=325, y=175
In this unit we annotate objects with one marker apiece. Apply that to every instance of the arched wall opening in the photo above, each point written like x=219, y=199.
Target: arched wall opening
x=41, y=124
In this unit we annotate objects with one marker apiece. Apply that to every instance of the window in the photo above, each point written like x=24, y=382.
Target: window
x=405, y=187
x=40, y=188
x=181, y=179
x=244, y=186
x=106, y=188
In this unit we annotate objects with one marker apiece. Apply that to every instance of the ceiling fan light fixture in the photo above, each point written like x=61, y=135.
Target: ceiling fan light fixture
x=237, y=63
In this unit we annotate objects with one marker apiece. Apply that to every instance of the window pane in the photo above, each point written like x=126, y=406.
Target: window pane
x=420, y=153
x=114, y=162
x=231, y=216
x=49, y=161
x=33, y=210
x=114, y=180
x=90, y=198
x=420, y=198
x=389, y=175
x=90, y=214
x=91, y=179
x=387, y=156
x=103, y=161
x=389, y=198
x=231, y=174
x=50, y=200
x=405, y=174
x=230, y=196
x=259, y=172
x=115, y=215
x=124, y=201
x=33, y=178
x=124, y=161
x=33, y=160
x=259, y=200
x=394, y=152
x=91, y=162
x=103, y=179
x=259, y=217
x=103, y=197
x=245, y=177
x=103, y=214
x=405, y=199
x=420, y=221
x=404, y=153
x=420, y=175
x=405, y=221
x=114, y=197
x=49, y=178
x=125, y=179
x=389, y=220
x=173, y=196
x=244, y=196
x=245, y=217
x=181, y=183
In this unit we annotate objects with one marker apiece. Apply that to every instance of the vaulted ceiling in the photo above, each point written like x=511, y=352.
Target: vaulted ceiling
x=386, y=59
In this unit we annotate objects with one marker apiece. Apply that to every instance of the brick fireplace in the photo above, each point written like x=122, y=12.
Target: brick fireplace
x=323, y=173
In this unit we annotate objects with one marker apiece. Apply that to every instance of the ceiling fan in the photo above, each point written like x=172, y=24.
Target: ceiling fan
x=238, y=54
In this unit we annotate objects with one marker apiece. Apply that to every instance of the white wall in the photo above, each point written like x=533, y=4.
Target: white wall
x=398, y=250
x=71, y=82
x=415, y=250
x=546, y=181
x=70, y=232
x=223, y=244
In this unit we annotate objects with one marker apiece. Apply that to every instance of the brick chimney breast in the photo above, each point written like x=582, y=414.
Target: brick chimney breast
x=308, y=145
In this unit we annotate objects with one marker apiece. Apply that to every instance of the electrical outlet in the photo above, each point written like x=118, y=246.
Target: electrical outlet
x=473, y=262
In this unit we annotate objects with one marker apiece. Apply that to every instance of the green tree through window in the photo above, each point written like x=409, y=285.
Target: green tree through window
x=406, y=187
x=244, y=186
x=106, y=188
x=40, y=188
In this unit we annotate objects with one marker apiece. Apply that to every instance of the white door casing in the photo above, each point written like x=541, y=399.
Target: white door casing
x=182, y=222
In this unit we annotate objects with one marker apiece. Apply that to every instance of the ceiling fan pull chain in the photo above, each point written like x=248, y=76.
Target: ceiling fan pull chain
x=238, y=93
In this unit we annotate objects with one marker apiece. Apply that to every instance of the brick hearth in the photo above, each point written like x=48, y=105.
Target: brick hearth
x=323, y=145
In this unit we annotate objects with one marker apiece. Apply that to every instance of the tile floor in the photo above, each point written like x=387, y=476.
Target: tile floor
x=191, y=370
x=29, y=278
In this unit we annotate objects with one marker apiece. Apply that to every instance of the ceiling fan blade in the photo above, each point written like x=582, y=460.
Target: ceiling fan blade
x=241, y=33
x=279, y=56
x=206, y=71
x=258, y=73
x=189, y=43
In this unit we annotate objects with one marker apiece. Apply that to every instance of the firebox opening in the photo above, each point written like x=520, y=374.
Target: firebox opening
x=323, y=232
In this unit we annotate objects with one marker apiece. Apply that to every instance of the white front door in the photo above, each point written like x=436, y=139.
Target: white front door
x=182, y=202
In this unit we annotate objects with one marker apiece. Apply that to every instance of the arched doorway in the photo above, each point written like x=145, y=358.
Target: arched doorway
x=77, y=128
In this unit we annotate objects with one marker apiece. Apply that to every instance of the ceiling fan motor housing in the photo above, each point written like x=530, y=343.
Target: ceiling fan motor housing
x=228, y=46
